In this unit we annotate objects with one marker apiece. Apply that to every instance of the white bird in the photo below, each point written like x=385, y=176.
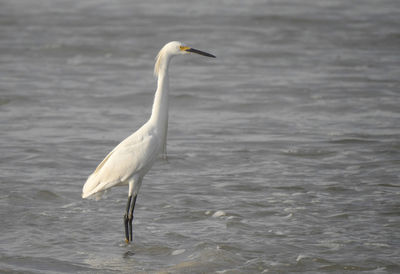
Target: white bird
x=129, y=161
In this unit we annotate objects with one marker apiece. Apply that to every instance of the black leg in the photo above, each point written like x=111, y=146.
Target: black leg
x=126, y=219
x=130, y=217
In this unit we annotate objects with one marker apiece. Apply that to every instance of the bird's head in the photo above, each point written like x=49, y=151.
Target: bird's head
x=175, y=48
x=178, y=48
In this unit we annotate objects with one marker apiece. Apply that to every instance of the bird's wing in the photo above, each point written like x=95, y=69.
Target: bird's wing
x=131, y=140
x=130, y=157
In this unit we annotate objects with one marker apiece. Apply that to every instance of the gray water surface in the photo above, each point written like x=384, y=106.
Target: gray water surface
x=284, y=152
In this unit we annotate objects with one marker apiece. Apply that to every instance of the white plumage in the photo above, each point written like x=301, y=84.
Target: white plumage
x=129, y=162
x=126, y=163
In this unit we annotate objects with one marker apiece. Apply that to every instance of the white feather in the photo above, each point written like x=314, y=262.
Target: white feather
x=129, y=162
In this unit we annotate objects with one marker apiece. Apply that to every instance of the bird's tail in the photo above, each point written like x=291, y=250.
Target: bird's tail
x=90, y=187
x=95, y=188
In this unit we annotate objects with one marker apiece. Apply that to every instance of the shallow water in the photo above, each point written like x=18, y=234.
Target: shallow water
x=284, y=152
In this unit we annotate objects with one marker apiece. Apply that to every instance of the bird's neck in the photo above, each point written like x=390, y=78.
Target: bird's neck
x=159, y=113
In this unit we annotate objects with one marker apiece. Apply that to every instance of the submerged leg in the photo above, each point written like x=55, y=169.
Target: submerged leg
x=126, y=219
x=130, y=216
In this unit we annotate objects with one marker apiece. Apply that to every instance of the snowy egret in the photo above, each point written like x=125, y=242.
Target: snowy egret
x=129, y=161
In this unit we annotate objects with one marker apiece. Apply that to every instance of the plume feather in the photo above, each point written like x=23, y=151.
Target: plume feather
x=159, y=60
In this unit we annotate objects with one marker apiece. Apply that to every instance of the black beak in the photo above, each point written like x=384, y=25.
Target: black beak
x=200, y=52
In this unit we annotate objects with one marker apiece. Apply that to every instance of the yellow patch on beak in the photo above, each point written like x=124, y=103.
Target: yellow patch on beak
x=184, y=48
